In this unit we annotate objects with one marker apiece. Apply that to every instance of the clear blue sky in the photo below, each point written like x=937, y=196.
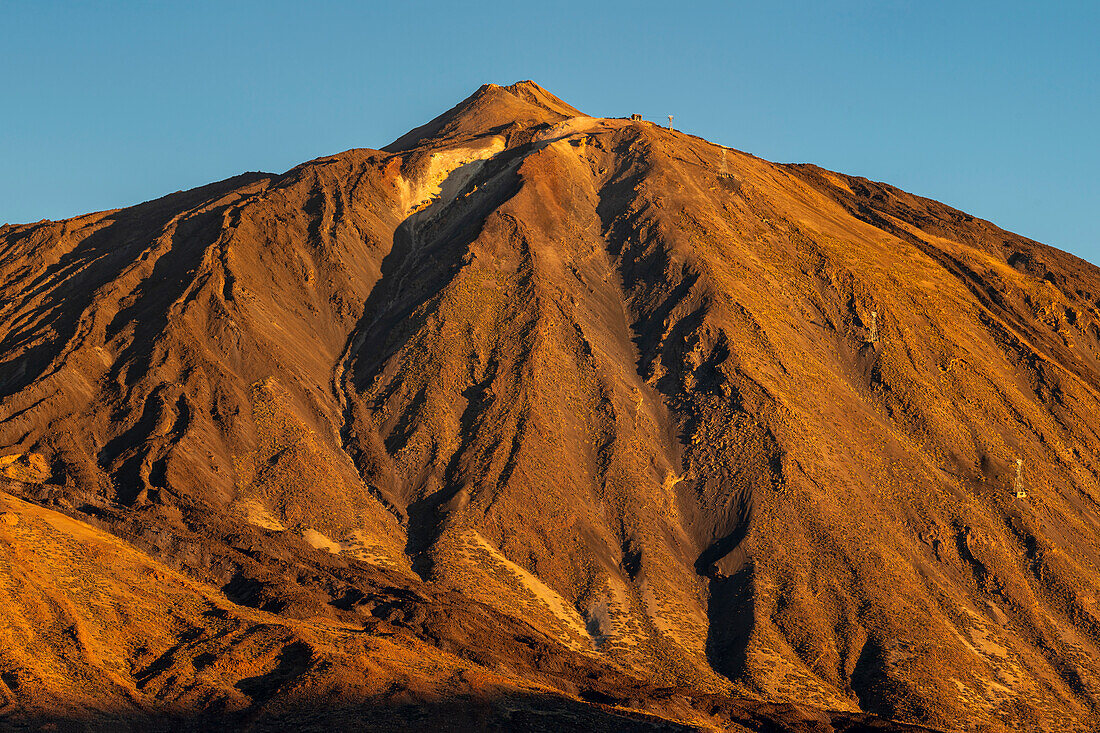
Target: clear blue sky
x=992, y=107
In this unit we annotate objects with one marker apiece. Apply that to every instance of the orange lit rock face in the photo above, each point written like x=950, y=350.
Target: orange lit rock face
x=540, y=417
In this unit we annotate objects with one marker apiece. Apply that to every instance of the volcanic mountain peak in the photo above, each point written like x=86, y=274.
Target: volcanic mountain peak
x=491, y=109
x=640, y=419
x=532, y=92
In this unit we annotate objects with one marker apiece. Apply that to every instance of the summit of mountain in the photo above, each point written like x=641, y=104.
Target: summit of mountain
x=491, y=109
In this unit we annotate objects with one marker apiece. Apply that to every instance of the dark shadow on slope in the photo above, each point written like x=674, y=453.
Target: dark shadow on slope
x=870, y=682
x=393, y=711
x=293, y=662
x=730, y=618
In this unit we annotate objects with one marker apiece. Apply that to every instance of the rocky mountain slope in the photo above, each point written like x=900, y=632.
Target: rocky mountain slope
x=533, y=414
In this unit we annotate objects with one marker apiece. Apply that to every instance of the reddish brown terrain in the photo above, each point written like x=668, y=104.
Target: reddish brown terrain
x=538, y=421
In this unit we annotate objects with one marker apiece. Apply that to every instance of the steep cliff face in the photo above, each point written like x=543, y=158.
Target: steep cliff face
x=689, y=418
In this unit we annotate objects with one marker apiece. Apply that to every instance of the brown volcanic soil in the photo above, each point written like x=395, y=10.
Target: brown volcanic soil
x=536, y=420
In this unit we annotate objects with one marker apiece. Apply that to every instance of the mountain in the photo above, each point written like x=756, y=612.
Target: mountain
x=532, y=419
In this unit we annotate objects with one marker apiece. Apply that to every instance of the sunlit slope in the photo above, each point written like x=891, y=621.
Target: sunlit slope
x=96, y=630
